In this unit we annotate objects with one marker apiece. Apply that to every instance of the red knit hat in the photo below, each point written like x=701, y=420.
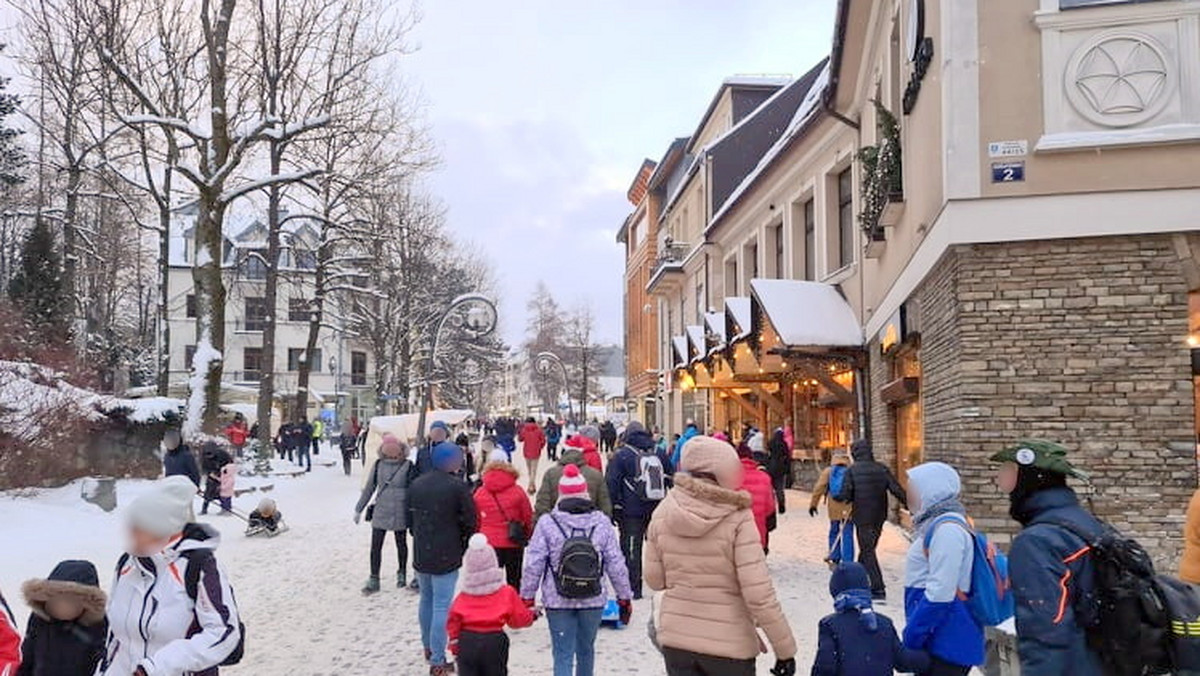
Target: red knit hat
x=572, y=484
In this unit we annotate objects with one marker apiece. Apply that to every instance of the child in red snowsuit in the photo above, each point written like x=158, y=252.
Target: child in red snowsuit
x=480, y=612
x=10, y=641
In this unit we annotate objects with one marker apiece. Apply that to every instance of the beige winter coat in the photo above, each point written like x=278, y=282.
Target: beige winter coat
x=838, y=511
x=703, y=549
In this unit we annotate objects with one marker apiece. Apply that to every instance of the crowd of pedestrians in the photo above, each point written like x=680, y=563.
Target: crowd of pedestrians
x=690, y=524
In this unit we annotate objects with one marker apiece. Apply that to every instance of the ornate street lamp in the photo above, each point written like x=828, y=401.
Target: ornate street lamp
x=472, y=315
x=543, y=363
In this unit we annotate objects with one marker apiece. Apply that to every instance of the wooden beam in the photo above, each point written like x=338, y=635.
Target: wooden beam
x=744, y=405
x=772, y=402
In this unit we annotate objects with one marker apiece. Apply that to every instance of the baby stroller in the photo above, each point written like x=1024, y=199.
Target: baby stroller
x=266, y=520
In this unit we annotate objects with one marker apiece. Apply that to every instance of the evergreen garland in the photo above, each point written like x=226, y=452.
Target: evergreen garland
x=882, y=171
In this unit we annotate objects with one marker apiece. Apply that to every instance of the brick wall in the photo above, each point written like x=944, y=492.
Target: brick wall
x=1078, y=341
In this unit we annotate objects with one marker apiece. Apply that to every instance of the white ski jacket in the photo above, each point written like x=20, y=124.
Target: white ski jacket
x=154, y=624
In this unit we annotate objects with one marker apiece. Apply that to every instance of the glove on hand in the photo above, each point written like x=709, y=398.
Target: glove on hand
x=784, y=668
x=812, y=511
x=626, y=607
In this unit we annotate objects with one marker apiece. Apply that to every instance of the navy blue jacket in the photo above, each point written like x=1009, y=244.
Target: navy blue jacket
x=847, y=648
x=624, y=471
x=181, y=462
x=1052, y=577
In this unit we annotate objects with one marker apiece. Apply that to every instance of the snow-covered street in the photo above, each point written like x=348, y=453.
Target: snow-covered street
x=299, y=593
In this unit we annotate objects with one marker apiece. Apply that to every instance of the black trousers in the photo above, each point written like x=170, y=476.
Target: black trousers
x=778, y=483
x=482, y=654
x=684, y=663
x=511, y=559
x=868, y=539
x=633, y=536
x=939, y=667
x=377, y=537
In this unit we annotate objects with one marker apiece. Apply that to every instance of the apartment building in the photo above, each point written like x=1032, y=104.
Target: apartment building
x=979, y=224
x=342, y=375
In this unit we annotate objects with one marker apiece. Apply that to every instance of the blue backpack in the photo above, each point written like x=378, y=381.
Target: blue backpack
x=991, y=599
x=837, y=479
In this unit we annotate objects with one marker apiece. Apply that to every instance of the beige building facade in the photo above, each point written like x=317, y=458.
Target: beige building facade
x=1001, y=200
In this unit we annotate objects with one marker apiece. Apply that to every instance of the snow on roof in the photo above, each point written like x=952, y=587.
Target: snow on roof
x=612, y=386
x=757, y=80
x=807, y=110
x=32, y=396
x=695, y=335
x=680, y=344
x=738, y=308
x=807, y=314
x=715, y=322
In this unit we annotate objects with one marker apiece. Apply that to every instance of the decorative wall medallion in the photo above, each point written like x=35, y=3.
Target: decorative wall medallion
x=1119, y=79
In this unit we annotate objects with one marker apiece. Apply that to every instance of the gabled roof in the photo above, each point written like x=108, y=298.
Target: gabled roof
x=747, y=82
x=667, y=164
x=637, y=189
x=714, y=322
x=697, y=344
x=738, y=320
x=808, y=112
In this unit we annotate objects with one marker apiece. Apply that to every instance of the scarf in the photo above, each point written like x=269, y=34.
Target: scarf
x=927, y=515
x=860, y=600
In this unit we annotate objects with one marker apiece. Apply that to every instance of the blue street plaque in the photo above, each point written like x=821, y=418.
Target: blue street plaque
x=1008, y=172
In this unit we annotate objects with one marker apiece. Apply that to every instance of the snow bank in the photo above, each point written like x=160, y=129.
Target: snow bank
x=32, y=395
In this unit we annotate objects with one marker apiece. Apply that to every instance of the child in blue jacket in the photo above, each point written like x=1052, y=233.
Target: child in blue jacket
x=857, y=641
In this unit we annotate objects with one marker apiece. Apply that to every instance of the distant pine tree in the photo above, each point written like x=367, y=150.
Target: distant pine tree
x=37, y=287
x=12, y=156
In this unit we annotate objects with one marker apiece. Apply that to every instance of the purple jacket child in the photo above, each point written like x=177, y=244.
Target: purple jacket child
x=545, y=551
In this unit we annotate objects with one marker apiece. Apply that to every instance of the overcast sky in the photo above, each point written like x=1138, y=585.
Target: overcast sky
x=544, y=109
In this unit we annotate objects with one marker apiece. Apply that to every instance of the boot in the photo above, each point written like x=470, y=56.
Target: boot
x=372, y=585
x=441, y=670
x=401, y=580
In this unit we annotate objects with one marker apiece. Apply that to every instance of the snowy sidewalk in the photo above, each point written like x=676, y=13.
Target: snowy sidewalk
x=299, y=593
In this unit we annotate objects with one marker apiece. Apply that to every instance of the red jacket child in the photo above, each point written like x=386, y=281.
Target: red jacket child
x=758, y=484
x=500, y=500
x=533, y=440
x=10, y=641
x=591, y=453
x=482, y=609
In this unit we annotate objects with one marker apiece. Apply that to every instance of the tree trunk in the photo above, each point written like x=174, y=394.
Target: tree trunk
x=316, y=313
x=210, y=303
x=164, y=279
x=266, y=386
x=71, y=253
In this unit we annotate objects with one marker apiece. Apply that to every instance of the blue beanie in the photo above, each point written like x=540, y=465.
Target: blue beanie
x=445, y=454
x=847, y=576
x=439, y=425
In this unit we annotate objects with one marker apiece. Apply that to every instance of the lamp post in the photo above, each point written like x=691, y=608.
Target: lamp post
x=472, y=314
x=543, y=362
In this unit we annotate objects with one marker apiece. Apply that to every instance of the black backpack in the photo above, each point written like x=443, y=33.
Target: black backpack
x=1125, y=615
x=196, y=559
x=579, y=571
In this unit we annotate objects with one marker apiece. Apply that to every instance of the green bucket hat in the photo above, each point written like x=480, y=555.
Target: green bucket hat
x=1042, y=454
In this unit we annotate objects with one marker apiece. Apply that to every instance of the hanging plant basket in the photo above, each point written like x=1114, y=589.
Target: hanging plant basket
x=882, y=179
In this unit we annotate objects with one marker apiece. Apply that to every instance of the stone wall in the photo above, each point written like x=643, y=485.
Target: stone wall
x=1079, y=341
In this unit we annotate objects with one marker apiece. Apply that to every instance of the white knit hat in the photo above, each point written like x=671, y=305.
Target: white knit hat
x=755, y=442
x=497, y=455
x=481, y=574
x=165, y=509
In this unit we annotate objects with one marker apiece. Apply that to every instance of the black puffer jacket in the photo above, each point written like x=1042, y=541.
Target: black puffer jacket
x=441, y=513
x=867, y=485
x=57, y=648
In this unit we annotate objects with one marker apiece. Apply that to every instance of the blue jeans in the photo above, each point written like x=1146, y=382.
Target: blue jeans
x=573, y=638
x=846, y=552
x=303, y=457
x=437, y=591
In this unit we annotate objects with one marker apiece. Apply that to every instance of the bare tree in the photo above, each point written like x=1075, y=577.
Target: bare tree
x=582, y=361
x=216, y=145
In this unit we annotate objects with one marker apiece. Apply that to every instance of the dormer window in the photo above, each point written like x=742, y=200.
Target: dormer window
x=254, y=265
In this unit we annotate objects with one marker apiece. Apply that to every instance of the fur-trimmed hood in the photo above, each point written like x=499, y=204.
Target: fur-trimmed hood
x=701, y=505
x=499, y=476
x=75, y=579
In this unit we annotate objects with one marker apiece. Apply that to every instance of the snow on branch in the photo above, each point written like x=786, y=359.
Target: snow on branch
x=266, y=182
